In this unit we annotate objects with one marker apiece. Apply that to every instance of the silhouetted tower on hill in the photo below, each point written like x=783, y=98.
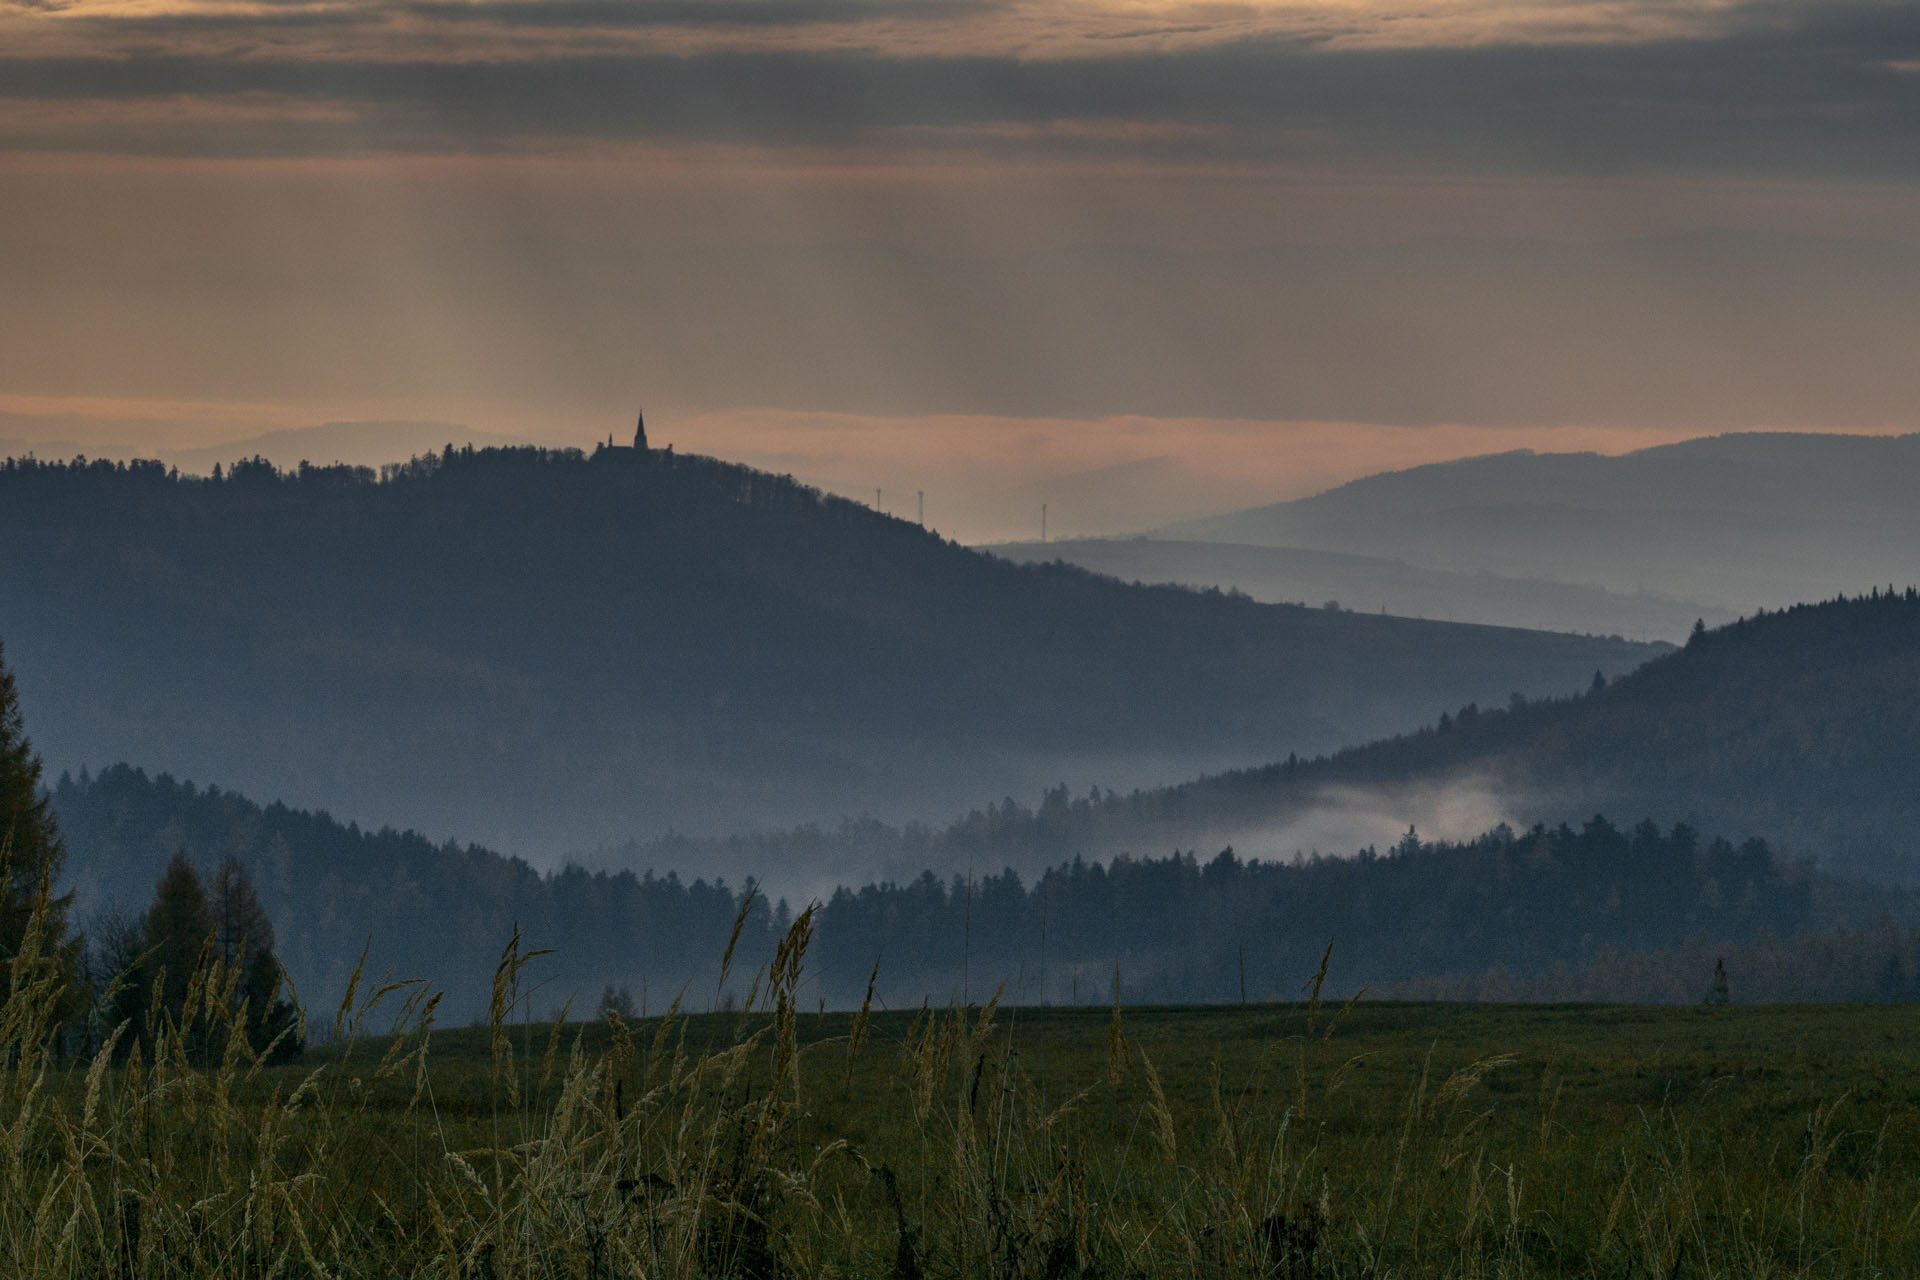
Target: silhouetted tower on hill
x=638, y=452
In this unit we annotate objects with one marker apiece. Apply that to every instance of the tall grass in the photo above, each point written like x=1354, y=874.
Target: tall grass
x=725, y=1146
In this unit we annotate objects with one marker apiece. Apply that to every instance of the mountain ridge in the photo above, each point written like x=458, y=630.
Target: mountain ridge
x=1278, y=575
x=1741, y=520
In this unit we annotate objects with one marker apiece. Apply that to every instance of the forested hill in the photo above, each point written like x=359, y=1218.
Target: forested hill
x=1594, y=912
x=1801, y=726
x=543, y=650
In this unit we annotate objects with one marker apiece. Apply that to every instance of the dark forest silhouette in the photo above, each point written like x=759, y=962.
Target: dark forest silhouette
x=1521, y=907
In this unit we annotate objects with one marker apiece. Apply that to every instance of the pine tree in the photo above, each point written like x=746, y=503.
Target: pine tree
x=30, y=849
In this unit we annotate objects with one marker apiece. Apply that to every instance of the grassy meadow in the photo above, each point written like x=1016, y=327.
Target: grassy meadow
x=1289, y=1141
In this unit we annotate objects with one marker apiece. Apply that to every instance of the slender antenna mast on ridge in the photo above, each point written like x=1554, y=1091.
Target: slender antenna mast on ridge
x=1043, y=522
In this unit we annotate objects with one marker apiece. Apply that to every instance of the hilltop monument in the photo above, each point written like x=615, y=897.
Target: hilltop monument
x=639, y=448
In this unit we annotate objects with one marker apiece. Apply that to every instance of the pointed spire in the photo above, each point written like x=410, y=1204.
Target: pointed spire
x=640, y=433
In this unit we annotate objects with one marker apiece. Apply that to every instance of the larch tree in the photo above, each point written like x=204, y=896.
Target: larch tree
x=243, y=941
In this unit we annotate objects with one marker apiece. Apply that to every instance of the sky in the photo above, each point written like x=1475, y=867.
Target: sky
x=1136, y=261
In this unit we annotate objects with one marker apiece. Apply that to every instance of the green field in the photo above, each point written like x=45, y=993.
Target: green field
x=1284, y=1141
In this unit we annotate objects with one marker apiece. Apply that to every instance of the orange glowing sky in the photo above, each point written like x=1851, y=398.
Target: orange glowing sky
x=1236, y=251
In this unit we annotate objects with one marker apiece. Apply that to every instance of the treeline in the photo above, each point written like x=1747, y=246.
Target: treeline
x=1175, y=928
x=1180, y=929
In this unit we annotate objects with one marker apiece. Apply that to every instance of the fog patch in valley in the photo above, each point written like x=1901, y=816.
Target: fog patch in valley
x=1341, y=821
x=809, y=863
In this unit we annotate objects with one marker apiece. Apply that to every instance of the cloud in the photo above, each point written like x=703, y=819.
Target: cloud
x=1784, y=89
x=1143, y=33
x=624, y=14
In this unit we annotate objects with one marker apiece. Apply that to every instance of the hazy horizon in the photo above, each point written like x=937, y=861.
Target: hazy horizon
x=996, y=252
x=991, y=476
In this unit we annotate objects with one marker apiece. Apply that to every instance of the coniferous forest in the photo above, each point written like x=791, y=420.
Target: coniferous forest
x=1560, y=909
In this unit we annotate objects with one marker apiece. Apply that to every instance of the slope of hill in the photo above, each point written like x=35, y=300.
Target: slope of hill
x=1281, y=574
x=1801, y=727
x=546, y=650
x=1741, y=521
x=440, y=912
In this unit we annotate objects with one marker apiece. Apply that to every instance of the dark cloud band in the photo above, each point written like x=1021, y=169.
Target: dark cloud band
x=649, y=14
x=1808, y=91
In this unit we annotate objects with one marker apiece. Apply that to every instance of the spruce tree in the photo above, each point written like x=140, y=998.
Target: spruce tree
x=243, y=940
x=30, y=848
x=191, y=927
x=177, y=929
